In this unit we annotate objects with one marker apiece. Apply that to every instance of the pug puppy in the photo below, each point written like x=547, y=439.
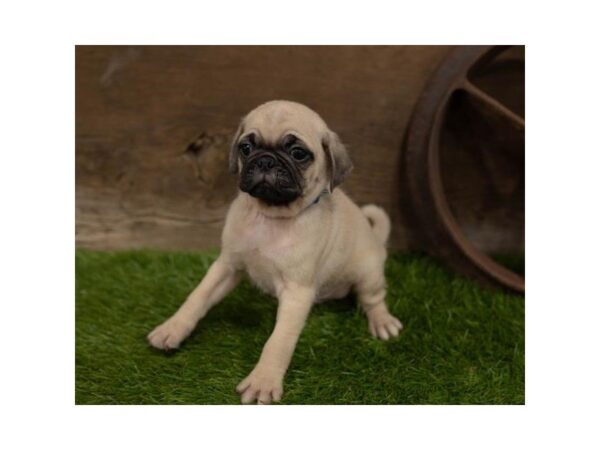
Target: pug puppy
x=297, y=236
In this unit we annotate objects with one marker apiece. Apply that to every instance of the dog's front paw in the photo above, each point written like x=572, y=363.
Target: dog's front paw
x=262, y=386
x=383, y=325
x=169, y=334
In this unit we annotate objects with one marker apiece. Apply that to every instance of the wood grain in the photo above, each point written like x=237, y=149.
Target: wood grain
x=139, y=182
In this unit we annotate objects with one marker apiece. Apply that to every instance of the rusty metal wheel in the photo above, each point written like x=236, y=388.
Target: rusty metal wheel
x=457, y=110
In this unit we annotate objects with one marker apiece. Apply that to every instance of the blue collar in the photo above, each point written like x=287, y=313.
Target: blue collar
x=323, y=192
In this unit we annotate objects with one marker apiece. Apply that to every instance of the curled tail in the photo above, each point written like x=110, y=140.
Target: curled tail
x=379, y=220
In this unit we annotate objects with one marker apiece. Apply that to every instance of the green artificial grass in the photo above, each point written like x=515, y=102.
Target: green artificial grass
x=462, y=344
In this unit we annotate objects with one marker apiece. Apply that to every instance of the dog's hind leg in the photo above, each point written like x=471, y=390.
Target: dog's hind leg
x=371, y=296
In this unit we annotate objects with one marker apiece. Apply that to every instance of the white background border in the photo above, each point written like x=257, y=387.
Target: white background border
x=37, y=189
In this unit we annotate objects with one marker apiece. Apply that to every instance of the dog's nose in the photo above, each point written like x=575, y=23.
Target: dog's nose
x=265, y=162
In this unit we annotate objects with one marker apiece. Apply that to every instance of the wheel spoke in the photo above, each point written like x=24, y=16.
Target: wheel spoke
x=489, y=106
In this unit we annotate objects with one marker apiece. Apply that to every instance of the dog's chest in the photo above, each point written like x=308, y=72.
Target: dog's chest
x=267, y=249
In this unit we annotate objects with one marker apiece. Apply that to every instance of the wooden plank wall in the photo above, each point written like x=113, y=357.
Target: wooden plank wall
x=139, y=108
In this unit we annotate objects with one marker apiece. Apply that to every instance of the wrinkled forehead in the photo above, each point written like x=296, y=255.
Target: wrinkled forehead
x=271, y=124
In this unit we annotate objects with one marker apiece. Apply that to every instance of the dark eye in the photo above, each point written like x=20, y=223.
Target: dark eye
x=245, y=148
x=299, y=154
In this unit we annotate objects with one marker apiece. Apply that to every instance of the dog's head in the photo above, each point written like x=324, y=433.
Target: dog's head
x=286, y=156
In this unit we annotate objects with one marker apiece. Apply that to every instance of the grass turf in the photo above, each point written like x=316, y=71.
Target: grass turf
x=462, y=344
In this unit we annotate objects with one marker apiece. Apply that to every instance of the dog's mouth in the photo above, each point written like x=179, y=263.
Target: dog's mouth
x=271, y=195
x=275, y=186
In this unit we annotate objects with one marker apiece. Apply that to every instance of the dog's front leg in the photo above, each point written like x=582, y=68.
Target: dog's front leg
x=220, y=279
x=265, y=382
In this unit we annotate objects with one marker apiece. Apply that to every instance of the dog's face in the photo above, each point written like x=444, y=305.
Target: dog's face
x=273, y=171
x=285, y=156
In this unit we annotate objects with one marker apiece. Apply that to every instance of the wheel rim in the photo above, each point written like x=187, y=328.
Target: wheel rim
x=437, y=226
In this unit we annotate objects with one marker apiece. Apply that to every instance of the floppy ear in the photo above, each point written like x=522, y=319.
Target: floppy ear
x=233, y=152
x=338, y=160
